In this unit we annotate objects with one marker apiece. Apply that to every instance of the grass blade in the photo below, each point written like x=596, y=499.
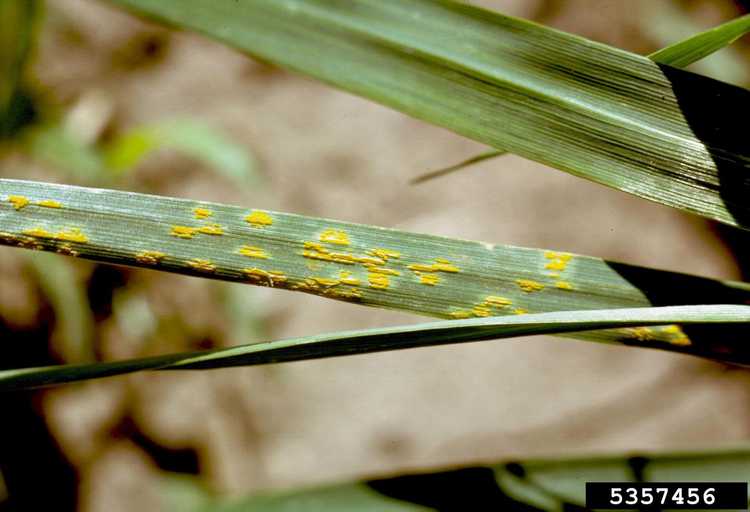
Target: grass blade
x=190, y=137
x=702, y=45
x=368, y=265
x=456, y=167
x=679, y=55
x=383, y=339
x=595, y=111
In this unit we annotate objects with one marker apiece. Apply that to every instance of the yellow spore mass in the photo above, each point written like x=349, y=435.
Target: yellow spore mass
x=334, y=236
x=384, y=254
x=481, y=311
x=563, y=285
x=18, y=202
x=253, y=252
x=325, y=281
x=259, y=219
x=38, y=233
x=460, y=314
x=201, y=265
x=149, y=257
x=314, y=253
x=346, y=259
x=678, y=335
x=365, y=260
x=347, y=279
x=520, y=311
x=72, y=235
x=315, y=246
x=380, y=270
x=49, y=203
x=211, y=229
x=441, y=265
x=641, y=333
x=552, y=255
x=556, y=265
x=418, y=267
x=444, y=266
x=429, y=279
x=528, y=286
x=681, y=340
x=378, y=281
x=498, y=302
x=183, y=231
x=559, y=260
x=202, y=213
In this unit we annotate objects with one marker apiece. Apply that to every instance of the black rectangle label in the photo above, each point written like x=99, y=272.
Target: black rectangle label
x=674, y=495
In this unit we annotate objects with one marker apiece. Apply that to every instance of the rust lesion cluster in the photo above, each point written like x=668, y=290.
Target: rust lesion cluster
x=557, y=263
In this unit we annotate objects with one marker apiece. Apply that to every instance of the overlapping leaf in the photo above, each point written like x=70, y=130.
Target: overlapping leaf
x=680, y=54
x=702, y=45
x=422, y=274
x=378, y=340
x=604, y=114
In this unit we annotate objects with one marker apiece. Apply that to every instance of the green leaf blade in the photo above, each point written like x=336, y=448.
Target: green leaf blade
x=597, y=112
x=702, y=45
x=367, y=265
x=438, y=173
x=384, y=339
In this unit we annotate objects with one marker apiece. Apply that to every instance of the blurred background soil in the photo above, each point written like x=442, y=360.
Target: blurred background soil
x=116, y=444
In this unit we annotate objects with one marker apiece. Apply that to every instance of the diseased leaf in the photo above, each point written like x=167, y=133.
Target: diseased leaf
x=374, y=266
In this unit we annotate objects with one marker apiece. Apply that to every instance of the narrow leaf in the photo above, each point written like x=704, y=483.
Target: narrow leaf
x=597, y=112
x=383, y=339
x=457, y=167
x=368, y=265
x=702, y=45
x=679, y=55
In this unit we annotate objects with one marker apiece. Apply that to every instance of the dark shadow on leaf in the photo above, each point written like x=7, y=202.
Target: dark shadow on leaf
x=731, y=343
x=718, y=114
x=452, y=491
